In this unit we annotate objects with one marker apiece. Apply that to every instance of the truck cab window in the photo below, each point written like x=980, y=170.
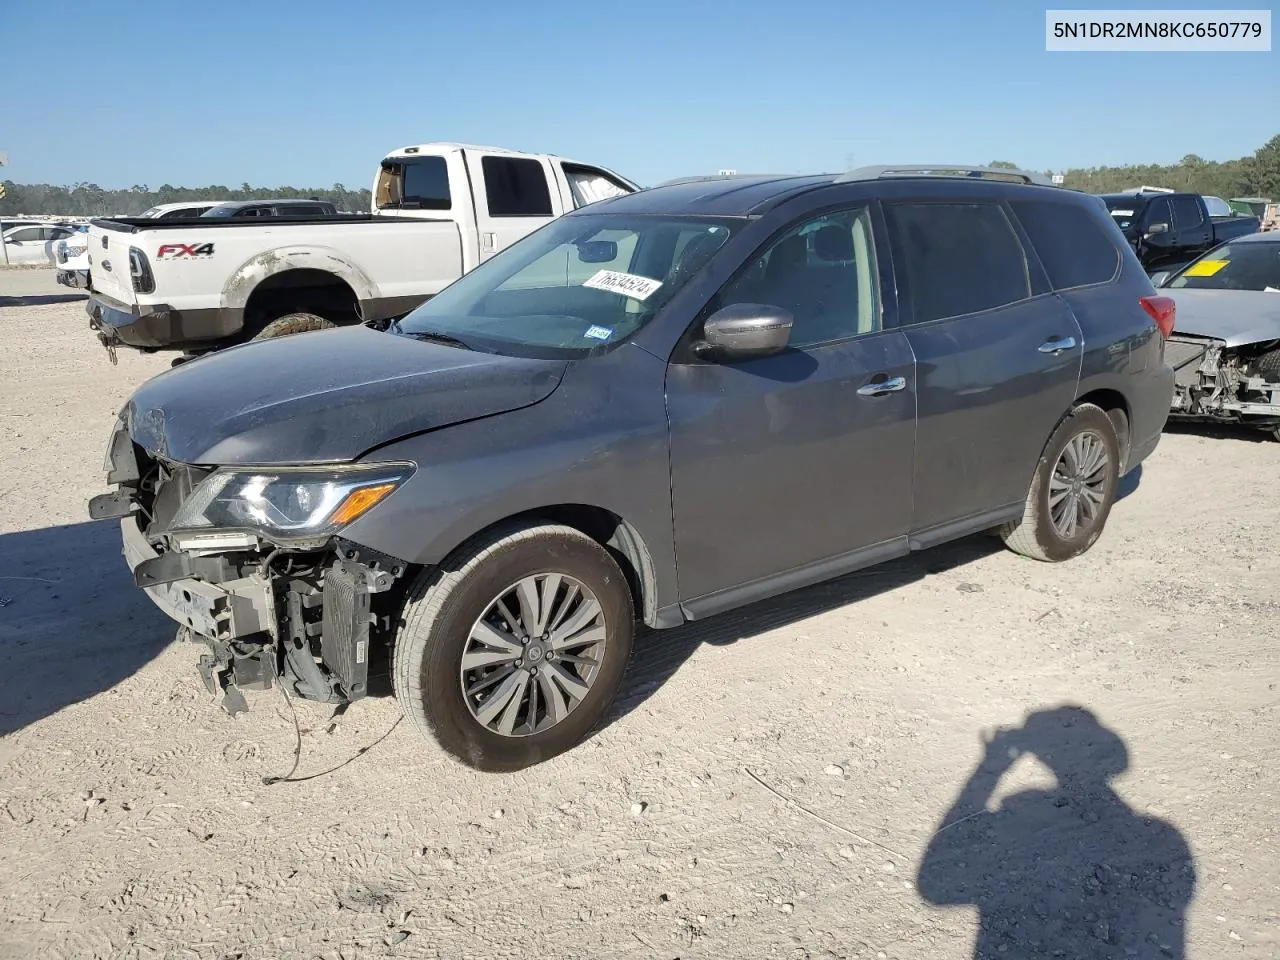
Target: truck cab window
x=516, y=187
x=1159, y=211
x=414, y=183
x=1187, y=214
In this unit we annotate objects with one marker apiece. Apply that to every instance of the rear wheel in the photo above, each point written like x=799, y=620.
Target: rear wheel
x=1072, y=491
x=512, y=653
x=293, y=323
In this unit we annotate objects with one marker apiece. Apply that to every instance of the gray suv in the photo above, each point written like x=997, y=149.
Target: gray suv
x=655, y=409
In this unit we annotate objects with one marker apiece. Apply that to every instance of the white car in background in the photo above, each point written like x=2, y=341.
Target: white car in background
x=33, y=243
x=72, y=254
x=71, y=257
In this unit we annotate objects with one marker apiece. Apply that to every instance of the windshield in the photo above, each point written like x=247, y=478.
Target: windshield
x=579, y=283
x=1217, y=207
x=1124, y=210
x=1234, y=266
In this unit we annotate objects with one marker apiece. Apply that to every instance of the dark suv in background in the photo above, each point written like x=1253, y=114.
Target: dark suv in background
x=657, y=408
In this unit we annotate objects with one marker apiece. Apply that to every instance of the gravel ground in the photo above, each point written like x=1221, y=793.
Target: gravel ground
x=771, y=784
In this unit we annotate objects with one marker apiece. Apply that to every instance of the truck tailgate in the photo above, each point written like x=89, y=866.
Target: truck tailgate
x=109, y=264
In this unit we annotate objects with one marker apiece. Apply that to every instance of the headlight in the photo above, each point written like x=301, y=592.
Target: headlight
x=289, y=504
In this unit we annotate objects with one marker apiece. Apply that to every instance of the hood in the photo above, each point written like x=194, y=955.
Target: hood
x=1239, y=317
x=324, y=397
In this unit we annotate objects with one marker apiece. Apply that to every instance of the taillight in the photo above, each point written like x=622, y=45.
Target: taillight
x=140, y=272
x=1162, y=310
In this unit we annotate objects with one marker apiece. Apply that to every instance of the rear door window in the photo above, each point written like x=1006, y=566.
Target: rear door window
x=516, y=187
x=1072, y=245
x=957, y=258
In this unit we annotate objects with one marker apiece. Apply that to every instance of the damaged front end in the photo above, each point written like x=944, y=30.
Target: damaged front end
x=1220, y=383
x=250, y=562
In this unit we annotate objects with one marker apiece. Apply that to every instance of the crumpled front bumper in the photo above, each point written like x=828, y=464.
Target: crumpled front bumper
x=224, y=611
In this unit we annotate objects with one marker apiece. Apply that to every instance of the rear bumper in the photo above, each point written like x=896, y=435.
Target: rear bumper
x=159, y=326
x=226, y=611
x=1150, y=412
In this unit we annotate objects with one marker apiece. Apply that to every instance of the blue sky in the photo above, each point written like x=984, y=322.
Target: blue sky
x=250, y=90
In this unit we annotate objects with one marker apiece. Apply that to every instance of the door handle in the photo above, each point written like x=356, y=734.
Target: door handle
x=1057, y=345
x=878, y=388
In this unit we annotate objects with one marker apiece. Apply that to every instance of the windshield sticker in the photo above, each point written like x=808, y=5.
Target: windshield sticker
x=1205, y=268
x=1122, y=213
x=627, y=284
x=599, y=333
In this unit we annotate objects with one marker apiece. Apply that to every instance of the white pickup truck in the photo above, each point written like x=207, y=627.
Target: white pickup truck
x=439, y=209
x=71, y=256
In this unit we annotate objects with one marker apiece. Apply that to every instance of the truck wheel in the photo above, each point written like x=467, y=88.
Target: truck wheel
x=293, y=323
x=511, y=651
x=1072, y=490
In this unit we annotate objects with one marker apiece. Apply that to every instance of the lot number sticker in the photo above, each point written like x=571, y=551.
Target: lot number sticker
x=1205, y=268
x=627, y=284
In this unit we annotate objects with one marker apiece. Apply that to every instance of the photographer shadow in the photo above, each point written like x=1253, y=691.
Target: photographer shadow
x=1070, y=871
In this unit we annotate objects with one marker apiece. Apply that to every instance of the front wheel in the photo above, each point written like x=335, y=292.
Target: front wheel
x=513, y=651
x=1072, y=491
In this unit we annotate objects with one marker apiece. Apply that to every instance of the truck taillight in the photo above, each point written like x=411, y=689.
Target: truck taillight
x=1162, y=310
x=140, y=272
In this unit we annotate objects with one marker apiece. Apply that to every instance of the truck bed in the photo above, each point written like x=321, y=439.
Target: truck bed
x=137, y=224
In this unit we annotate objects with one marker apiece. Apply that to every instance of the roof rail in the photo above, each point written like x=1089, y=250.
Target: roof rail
x=883, y=171
x=715, y=176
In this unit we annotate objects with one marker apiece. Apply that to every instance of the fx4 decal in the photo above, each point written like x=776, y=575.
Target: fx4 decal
x=173, y=251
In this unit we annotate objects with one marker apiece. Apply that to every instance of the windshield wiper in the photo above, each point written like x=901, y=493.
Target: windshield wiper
x=433, y=336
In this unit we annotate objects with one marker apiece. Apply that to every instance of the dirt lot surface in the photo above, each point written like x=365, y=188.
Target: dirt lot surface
x=771, y=784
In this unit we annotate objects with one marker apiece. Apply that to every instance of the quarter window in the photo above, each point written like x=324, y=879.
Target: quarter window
x=1072, y=245
x=824, y=272
x=957, y=258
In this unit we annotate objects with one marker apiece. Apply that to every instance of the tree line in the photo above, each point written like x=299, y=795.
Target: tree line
x=91, y=200
x=1257, y=175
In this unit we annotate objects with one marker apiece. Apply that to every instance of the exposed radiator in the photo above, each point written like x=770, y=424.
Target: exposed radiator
x=1184, y=356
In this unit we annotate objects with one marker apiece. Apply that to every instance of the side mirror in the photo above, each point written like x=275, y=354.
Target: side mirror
x=1156, y=229
x=1159, y=277
x=744, y=330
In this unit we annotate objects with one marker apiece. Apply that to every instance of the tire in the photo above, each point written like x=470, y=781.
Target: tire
x=292, y=323
x=1268, y=366
x=451, y=603
x=1037, y=535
